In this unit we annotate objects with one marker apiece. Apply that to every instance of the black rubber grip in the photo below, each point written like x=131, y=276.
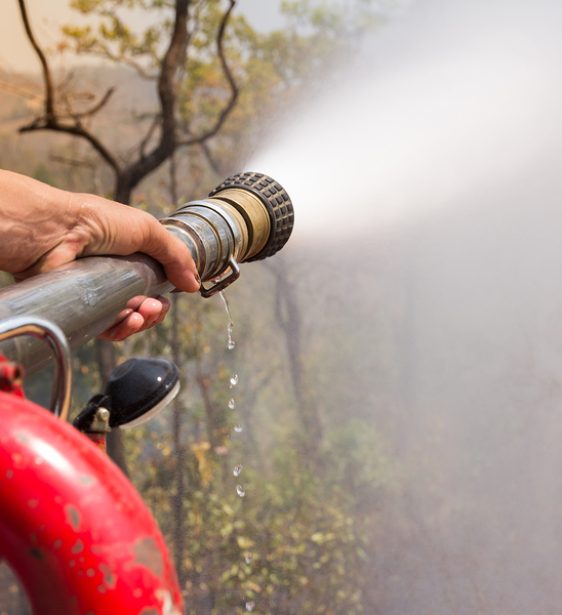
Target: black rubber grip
x=276, y=201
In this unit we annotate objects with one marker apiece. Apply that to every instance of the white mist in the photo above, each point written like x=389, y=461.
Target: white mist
x=428, y=194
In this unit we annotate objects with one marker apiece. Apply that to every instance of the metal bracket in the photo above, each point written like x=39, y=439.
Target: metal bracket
x=222, y=283
x=49, y=332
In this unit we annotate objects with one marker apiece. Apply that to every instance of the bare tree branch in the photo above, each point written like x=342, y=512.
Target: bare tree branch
x=105, y=52
x=78, y=131
x=77, y=115
x=47, y=79
x=148, y=136
x=127, y=176
x=210, y=158
x=234, y=92
x=171, y=63
x=97, y=106
x=50, y=120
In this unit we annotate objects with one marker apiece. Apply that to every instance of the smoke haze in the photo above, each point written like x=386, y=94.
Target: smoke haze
x=428, y=182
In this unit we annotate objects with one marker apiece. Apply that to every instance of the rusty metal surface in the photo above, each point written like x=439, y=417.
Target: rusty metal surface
x=72, y=527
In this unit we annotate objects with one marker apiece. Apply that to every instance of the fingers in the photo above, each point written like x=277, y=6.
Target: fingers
x=122, y=230
x=173, y=255
x=140, y=314
x=37, y=240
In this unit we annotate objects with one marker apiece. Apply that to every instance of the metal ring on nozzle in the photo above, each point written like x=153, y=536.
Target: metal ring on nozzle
x=248, y=217
x=275, y=199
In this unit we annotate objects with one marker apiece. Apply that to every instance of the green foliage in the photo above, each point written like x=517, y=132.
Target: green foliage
x=291, y=546
x=301, y=538
x=109, y=32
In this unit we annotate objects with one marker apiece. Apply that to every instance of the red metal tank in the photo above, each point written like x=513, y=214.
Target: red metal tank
x=72, y=527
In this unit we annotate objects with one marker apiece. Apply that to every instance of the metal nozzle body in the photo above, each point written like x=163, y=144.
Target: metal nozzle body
x=85, y=297
x=248, y=217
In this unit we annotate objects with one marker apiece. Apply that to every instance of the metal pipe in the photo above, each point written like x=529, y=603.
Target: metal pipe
x=83, y=299
x=248, y=217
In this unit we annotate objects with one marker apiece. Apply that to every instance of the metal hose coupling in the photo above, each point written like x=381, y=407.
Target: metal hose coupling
x=246, y=218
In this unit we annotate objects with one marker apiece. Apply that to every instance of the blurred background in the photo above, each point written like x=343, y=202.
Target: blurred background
x=384, y=434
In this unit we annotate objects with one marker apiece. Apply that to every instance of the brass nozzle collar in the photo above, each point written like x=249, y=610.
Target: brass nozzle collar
x=276, y=201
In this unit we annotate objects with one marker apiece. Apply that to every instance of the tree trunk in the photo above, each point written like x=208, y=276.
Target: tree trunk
x=179, y=457
x=106, y=356
x=106, y=359
x=289, y=318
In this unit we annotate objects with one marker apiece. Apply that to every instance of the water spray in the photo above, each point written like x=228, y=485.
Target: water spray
x=246, y=218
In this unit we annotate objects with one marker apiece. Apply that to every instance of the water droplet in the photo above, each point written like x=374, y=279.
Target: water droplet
x=230, y=344
x=248, y=558
x=238, y=428
x=233, y=380
x=250, y=605
x=231, y=403
x=240, y=491
x=237, y=470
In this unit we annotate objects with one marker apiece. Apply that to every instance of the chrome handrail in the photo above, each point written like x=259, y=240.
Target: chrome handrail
x=52, y=334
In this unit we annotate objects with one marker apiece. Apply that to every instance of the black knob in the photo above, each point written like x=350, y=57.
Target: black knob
x=135, y=392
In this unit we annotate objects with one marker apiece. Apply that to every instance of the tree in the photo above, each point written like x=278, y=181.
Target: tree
x=163, y=62
x=292, y=544
x=160, y=61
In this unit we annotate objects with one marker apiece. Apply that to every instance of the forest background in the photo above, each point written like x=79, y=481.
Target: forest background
x=303, y=537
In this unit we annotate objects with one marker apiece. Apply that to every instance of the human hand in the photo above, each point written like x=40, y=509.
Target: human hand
x=141, y=313
x=43, y=228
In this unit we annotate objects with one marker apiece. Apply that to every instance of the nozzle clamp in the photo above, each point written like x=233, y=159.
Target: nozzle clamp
x=222, y=283
x=248, y=217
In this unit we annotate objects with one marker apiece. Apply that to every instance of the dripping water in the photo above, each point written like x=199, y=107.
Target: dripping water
x=233, y=382
x=230, y=343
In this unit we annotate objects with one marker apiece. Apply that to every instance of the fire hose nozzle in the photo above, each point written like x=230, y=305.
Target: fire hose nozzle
x=246, y=218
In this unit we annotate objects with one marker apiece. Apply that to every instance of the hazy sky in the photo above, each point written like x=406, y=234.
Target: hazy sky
x=15, y=52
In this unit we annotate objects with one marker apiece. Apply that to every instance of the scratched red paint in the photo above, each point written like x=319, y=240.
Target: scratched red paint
x=79, y=546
